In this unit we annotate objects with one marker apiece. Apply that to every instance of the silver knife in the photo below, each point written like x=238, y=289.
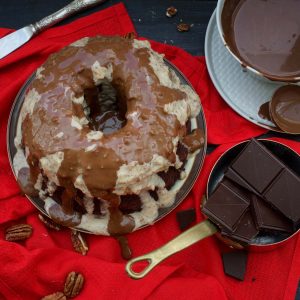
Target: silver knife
x=16, y=39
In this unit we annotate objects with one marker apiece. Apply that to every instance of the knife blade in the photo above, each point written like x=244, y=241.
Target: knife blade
x=16, y=39
x=13, y=41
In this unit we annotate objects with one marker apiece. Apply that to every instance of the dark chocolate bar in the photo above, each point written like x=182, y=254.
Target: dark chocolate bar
x=267, y=218
x=257, y=165
x=284, y=194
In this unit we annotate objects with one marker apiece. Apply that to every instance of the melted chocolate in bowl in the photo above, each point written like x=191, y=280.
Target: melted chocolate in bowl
x=285, y=108
x=265, y=35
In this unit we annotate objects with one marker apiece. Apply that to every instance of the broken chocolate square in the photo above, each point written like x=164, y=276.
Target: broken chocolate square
x=234, y=263
x=169, y=177
x=185, y=218
x=267, y=218
x=225, y=207
x=283, y=194
x=246, y=229
x=257, y=165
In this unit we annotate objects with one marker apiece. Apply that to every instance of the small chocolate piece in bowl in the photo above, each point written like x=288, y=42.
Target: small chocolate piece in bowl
x=284, y=108
x=250, y=228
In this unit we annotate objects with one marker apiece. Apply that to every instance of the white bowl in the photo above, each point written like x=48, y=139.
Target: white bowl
x=243, y=64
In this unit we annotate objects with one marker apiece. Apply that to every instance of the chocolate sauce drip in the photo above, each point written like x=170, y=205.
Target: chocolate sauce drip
x=264, y=35
x=285, y=108
x=119, y=223
x=125, y=249
x=194, y=140
x=264, y=111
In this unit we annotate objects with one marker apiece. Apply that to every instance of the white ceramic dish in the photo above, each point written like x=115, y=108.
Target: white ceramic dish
x=243, y=92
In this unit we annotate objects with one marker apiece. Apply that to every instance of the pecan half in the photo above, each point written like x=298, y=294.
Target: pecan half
x=73, y=284
x=78, y=242
x=49, y=223
x=55, y=296
x=129, y=36
x=182, y=27
x=18, y=232
x=171, y=12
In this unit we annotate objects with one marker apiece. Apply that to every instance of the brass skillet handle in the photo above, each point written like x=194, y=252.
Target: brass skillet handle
x=184, y=240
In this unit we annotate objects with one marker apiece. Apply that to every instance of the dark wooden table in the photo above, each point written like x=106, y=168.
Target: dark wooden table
x=148, y=17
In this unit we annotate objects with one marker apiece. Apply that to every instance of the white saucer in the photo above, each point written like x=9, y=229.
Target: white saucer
x=242, y=91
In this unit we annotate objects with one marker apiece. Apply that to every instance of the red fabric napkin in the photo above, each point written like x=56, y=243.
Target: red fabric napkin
x=38, y=266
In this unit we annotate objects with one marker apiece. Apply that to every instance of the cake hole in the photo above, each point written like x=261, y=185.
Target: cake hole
x=107, y=107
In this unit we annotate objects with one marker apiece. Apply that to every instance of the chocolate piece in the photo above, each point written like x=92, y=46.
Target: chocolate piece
x=185, y=218
x=257, y=165
x=237, y=179
x=130, y=204
x=170, y=177
x=285, y=108
x=267, y=218
x=246, y=229
x=225, y=207
x=283, y=194
x=234, y=263
x=264, y=35
x=182, y=152
x=154, y=195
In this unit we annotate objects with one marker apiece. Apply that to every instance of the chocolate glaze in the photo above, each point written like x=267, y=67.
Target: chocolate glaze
x=148, y=129
x=264, y=35
x=125, y=249
x=109, y=122
x=285, y=108
x=194, y=140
